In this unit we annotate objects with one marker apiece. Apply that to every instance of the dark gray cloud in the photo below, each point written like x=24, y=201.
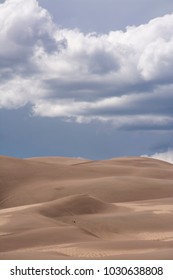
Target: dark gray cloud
x=143, y=104
x=102, y=63
x=24, y=136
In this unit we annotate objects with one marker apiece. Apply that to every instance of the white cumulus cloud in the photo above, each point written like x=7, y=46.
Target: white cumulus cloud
x=122, y=77
x=165, y=156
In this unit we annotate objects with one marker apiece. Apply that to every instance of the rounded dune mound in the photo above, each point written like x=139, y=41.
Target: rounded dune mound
x=74, y=205
x=58, y=160
x=138, y=162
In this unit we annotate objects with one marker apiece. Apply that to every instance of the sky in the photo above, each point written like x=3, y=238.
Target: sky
x=86, y=78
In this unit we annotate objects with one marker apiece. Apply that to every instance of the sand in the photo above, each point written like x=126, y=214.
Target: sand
x=66, y=208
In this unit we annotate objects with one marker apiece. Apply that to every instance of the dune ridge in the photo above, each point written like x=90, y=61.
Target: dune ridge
x=67, y=208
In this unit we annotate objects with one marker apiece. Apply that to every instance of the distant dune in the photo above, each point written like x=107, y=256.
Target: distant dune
x=66, y=208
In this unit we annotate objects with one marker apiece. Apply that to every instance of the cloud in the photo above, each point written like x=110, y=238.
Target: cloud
x=121, y=77
x=25, y=27
x=166, y=156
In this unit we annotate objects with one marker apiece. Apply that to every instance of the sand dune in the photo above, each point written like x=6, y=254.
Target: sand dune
x=74, y=205
x=67, y=208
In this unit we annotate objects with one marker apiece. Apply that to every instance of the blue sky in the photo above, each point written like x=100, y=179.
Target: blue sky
x=86, y=79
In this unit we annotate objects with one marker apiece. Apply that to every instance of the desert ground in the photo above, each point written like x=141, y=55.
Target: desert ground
x=66, y=208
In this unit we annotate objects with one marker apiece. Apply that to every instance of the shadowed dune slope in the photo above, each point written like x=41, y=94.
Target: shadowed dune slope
x=75, y=205
x=67, y=208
